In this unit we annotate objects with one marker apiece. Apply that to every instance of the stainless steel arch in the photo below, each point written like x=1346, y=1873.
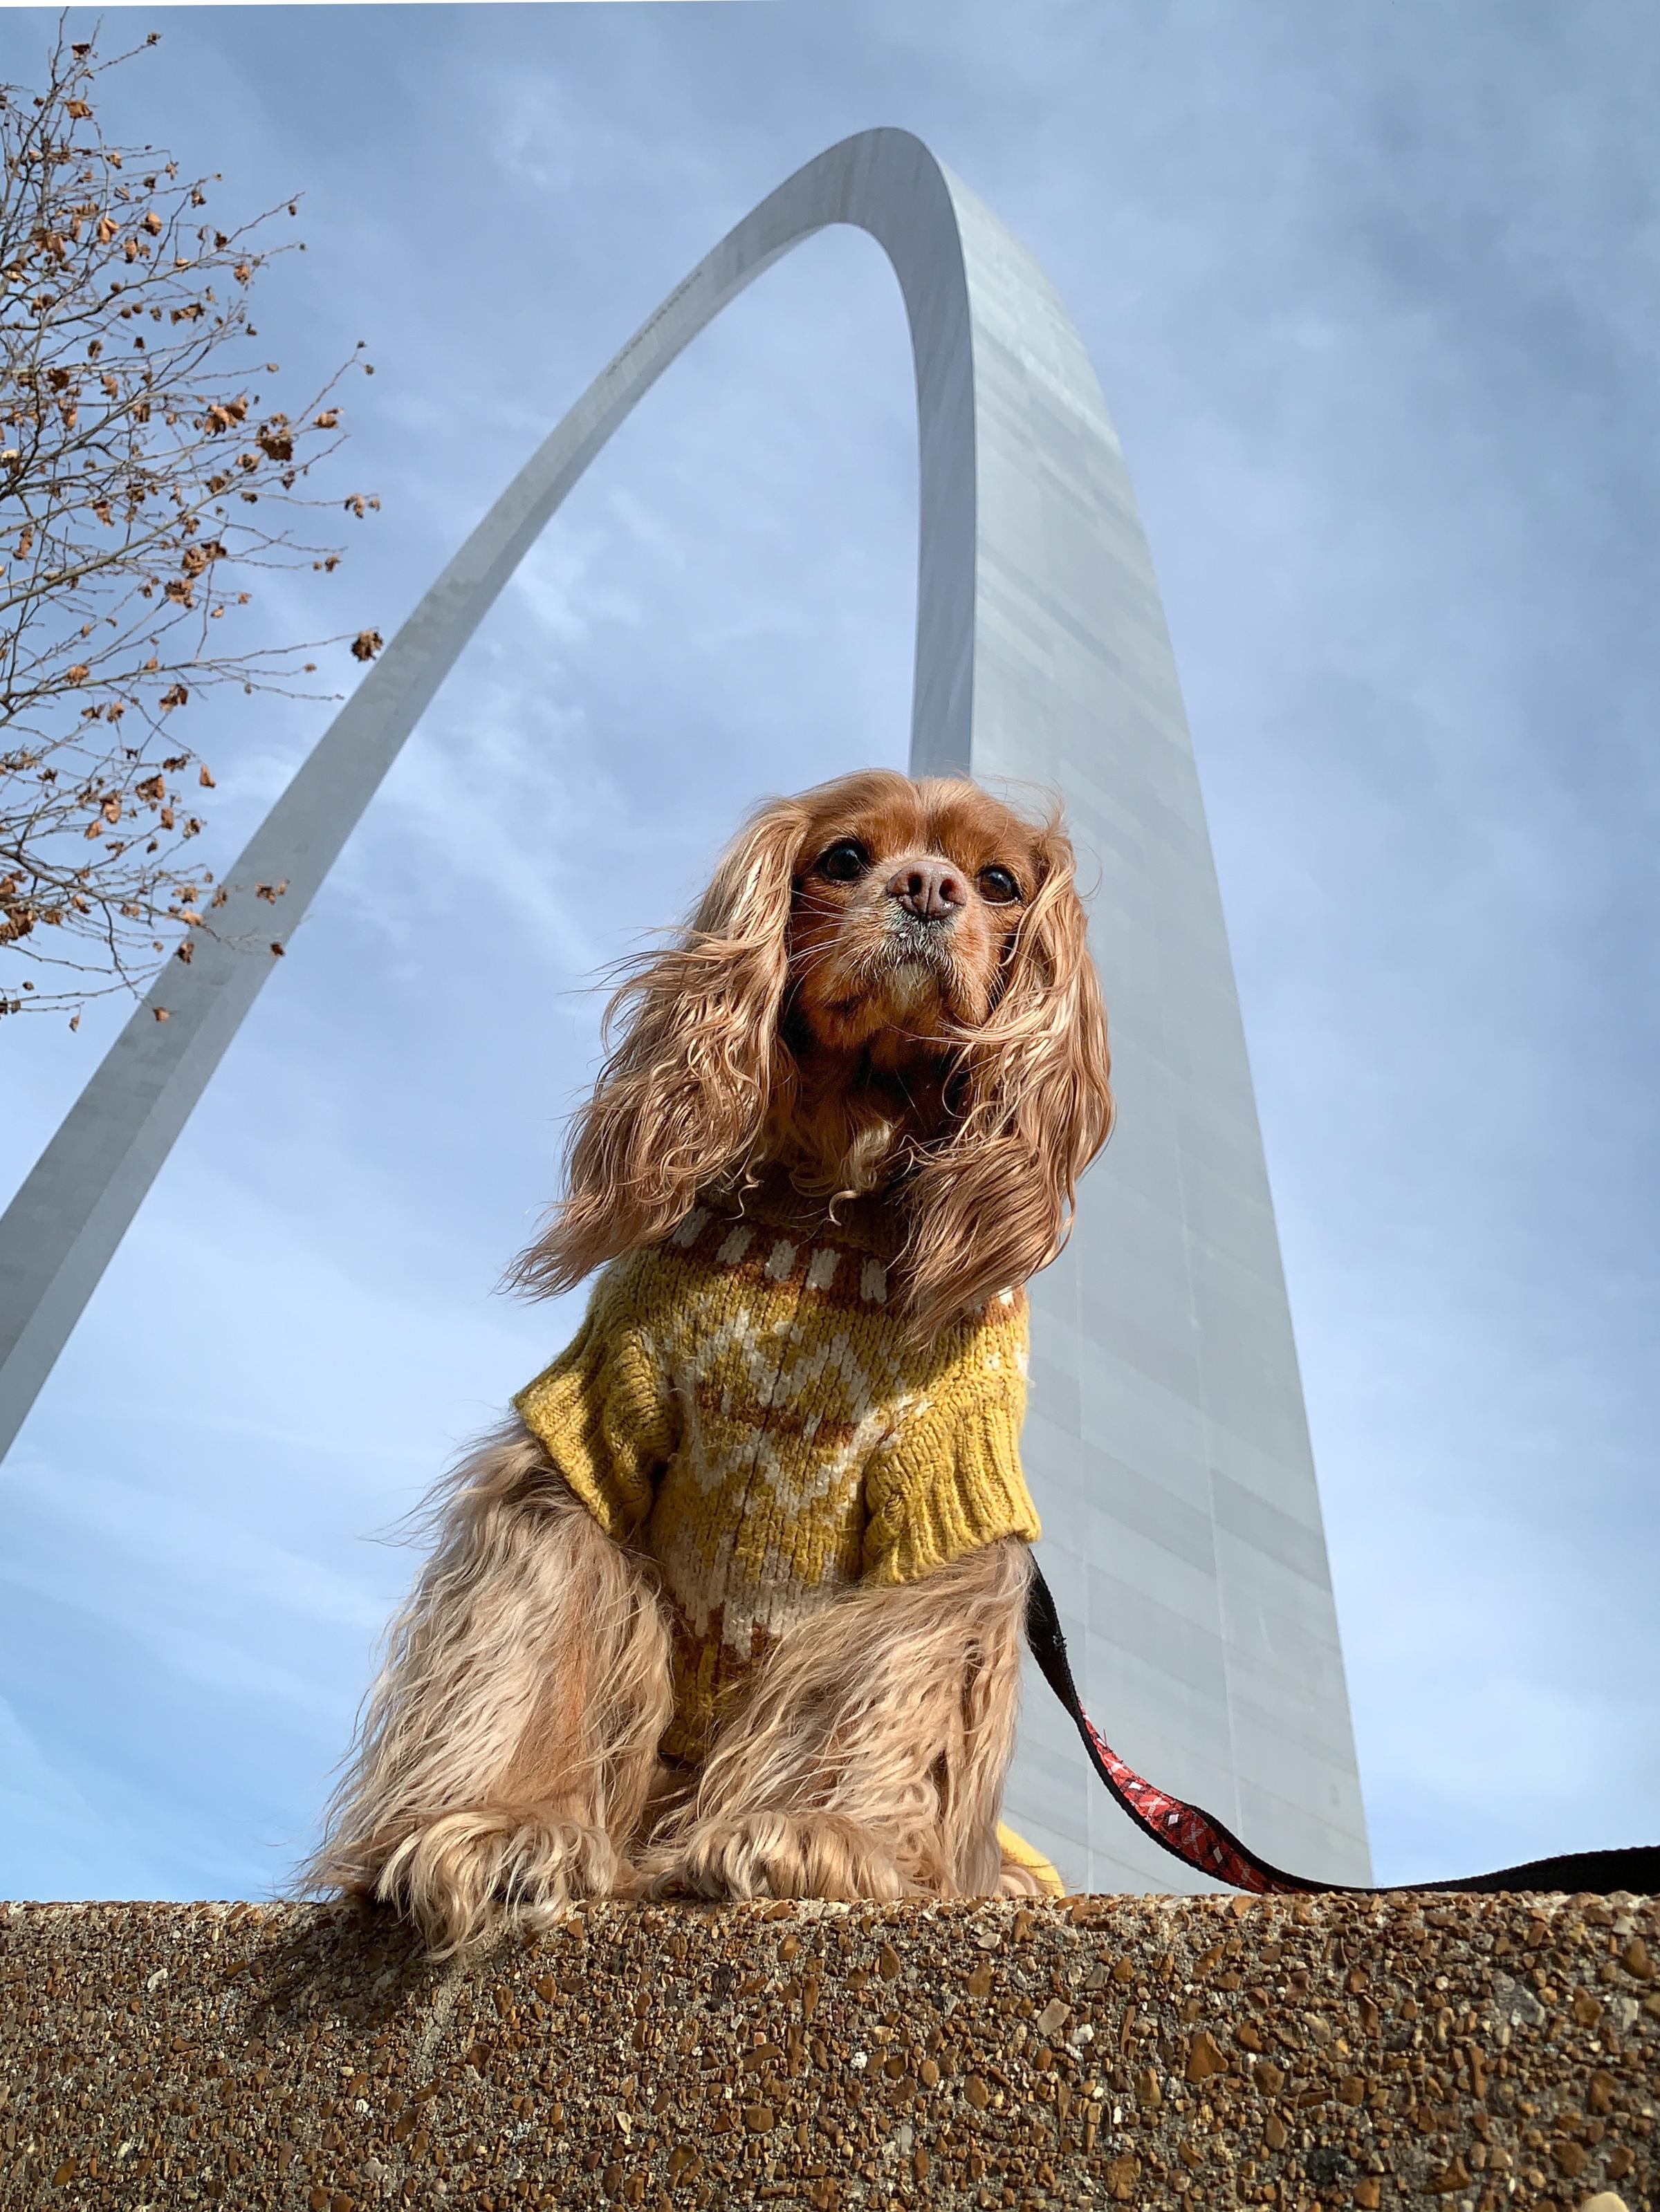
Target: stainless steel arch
x=1167, y=1412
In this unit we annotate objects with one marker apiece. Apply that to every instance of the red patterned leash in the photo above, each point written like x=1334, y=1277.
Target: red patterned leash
x=1200, y=1841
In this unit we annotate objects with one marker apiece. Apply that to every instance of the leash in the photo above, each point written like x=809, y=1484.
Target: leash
x=1199, y=1840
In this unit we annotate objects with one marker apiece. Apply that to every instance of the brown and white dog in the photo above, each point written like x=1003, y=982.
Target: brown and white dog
x=884, y=1000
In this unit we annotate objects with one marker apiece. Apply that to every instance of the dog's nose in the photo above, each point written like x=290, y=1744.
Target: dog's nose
x=931, y=890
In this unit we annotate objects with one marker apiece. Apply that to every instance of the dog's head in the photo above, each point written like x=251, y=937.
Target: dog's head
x=906, y=901
x=885, y=983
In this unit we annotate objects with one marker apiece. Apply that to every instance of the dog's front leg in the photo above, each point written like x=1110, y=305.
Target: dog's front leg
x=867, y=1757
x=510, y=1743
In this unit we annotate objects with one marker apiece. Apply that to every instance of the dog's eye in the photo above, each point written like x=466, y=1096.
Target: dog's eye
x=844, y=861
x=999, y=886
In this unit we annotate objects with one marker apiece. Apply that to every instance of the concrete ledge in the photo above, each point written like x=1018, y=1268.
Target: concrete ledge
x=1477, y=2052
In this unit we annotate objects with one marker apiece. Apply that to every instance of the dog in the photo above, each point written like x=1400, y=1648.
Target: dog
x=732, y=1606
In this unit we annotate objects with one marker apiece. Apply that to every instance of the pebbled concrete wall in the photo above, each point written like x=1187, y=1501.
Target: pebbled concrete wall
x=1155, y=2052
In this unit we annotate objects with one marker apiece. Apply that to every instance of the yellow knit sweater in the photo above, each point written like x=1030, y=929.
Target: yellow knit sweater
x=741, y=1403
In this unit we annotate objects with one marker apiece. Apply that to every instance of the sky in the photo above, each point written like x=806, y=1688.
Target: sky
x=1372, y=296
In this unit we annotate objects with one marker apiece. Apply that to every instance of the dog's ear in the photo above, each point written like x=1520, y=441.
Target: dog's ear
x=994, y=1203
x=684, y=1093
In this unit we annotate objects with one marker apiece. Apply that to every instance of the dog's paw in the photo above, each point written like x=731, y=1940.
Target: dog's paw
x=463, y=1876
x=1024, y=1871
x=777, y=1854
x=1018, y=1880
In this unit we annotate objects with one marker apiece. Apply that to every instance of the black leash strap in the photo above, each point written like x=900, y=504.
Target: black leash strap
x=1200, y=1841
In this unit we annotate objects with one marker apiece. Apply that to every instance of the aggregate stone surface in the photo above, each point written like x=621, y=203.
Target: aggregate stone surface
x=1476, y=2053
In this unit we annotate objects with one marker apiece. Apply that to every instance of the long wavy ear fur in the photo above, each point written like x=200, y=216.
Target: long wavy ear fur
x=684, y=1094
x=994, y=1203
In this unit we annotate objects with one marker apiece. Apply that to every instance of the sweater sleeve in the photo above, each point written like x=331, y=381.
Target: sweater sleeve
x=603, y=1410
x=949, y=1482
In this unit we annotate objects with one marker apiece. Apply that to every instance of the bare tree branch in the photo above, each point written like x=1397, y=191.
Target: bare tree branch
x=142, y=482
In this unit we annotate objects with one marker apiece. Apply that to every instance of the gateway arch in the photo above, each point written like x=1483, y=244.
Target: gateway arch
x=1167, y=1444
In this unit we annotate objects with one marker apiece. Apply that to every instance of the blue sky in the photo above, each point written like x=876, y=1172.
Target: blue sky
x=1372, y=293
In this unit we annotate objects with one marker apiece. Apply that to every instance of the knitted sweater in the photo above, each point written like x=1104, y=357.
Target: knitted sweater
x=741, y=1403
